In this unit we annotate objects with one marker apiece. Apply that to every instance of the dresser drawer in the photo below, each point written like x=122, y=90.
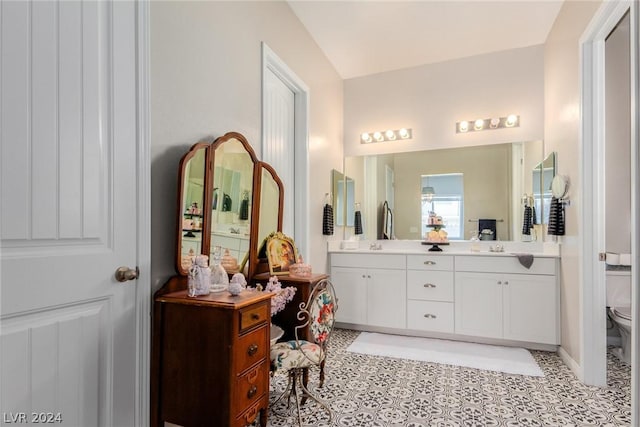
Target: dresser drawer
x=253, y=315
x=430, y=285
x=248, y=417
x=430, y=262
x=430, y=316
x=250, y=387
x=371, y=260
x=251, y=348
x=505, y=264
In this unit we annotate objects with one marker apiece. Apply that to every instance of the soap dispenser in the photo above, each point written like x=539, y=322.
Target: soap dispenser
x=475, y=242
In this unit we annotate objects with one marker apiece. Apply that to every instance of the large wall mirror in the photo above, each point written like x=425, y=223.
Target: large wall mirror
x=467, y=183
x=220, y=186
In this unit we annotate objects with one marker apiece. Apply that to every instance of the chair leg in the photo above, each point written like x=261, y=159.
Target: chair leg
x=322, y=372
x=297, y=388
x=312, y=397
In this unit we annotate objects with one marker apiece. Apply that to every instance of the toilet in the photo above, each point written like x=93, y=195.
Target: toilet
x=619, y=303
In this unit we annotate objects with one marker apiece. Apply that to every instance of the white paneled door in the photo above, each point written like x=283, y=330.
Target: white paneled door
x=69, y=140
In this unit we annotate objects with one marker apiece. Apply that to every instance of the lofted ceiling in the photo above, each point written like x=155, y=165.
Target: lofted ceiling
x=368, y=37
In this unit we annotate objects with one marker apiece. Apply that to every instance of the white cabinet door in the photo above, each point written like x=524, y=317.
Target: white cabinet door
x=478, y=306
x=386, y=298
x=351, y=290
x=530, y=308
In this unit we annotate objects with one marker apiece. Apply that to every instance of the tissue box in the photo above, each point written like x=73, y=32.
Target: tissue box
x=349, y=244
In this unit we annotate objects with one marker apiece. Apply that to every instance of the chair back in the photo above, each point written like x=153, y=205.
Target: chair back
x=318, y=314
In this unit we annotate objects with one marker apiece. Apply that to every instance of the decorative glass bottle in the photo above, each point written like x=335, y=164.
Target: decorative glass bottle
x=219, y=276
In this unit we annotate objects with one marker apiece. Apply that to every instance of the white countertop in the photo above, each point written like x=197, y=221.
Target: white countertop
x=409, y=247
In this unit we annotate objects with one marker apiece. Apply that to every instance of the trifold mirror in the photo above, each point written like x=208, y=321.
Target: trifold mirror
x=220, y=184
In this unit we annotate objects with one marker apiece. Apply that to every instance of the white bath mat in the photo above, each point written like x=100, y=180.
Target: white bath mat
x=511, y=360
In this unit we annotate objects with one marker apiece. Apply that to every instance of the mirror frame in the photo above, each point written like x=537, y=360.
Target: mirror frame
x=256, y=242
x=184, y=161
x=258, y=166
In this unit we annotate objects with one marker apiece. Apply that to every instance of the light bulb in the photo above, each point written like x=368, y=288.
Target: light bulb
x=511, y=120
x=479, y=124
x=391, y=135
x=365, y=137
x=403, y=133
x=463, y=126
x=494, y=123
x=378, y=136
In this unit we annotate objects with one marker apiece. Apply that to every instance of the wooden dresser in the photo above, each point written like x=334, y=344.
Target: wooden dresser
x=210, y=358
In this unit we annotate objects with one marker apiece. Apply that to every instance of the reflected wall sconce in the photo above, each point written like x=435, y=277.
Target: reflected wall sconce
x=389, y=135
x=510, y=121
x=428, y=192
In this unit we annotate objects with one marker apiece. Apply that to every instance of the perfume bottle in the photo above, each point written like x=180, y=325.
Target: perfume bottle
x=219, y=276
x=475, y=242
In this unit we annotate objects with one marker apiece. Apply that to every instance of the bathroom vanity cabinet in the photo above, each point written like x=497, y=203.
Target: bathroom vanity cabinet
x=456, y=294
x=369, y=294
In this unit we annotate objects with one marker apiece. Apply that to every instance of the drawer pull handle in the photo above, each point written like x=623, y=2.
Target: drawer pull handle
x=253, y=349
x=429, y=285
x=499, y=282
x=255, y=316
x=252, y=392
x=506, y=283
x=251, y=415
x=429, y=263
x=430, y=316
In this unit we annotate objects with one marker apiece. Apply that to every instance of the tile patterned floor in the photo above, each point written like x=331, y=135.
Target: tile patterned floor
x=371, y=391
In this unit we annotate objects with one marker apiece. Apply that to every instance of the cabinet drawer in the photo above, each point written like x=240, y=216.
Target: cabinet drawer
x=248, y=417
x=371, y=260
x=253, y=315
x=430, y=285
x=505, y=264
x=250, y=387
x=430, y=262
x=430, y=316
x=251, y=348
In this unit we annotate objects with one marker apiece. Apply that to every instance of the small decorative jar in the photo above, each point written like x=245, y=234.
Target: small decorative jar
x=199, y=276
x=300, y=269
x=237, y=284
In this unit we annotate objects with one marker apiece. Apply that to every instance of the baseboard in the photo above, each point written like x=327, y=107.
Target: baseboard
x=572, y=364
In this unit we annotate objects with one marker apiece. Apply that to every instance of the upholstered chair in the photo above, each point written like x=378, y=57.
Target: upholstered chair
x=297, y=356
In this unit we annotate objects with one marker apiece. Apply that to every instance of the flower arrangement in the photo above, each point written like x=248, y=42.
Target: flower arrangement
x=282, y=295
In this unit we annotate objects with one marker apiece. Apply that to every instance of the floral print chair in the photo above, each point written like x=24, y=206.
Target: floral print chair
x=296, y=356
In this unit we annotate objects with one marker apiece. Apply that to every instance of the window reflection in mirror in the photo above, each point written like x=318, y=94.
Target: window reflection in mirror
x=343, y=199
x=542, y=175
x=231, y=199
x=495, y=178
x=443, y=195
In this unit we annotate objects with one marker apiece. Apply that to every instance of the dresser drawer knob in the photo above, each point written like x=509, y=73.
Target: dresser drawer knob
x=429, y=285
x=253, y=349
x=255, y=316
x=252, y=392
x=429, y=263
x=430, y=316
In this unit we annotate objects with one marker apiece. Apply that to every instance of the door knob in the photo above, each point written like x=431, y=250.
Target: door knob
x=125, y=273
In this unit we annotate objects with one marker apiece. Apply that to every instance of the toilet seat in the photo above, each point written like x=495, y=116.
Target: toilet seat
x=623, y=312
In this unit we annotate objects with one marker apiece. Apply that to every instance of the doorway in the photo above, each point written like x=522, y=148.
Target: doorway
x=596, y=119
x=285, y=112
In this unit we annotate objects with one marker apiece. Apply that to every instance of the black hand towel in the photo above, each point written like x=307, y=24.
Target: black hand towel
x=556, y=218
x=527, y=221
x=327, y=220
x=357, y=223
x=244, y=210
x=490, y=224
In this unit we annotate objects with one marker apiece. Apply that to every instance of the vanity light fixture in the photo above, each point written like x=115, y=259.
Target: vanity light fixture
x=388, y=135
x=510, y=121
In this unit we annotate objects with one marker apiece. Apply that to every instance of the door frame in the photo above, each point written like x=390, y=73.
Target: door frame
x=143, y=221
x=592, y=273
x=272, y=62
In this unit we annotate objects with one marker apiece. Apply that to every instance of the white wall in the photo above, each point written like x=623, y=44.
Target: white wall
x=206, y=81
x=430, y=99
x=562, y=135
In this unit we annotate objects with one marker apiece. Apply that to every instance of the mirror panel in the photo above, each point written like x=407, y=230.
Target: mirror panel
x=343, y=199
x=191, y=193
x=542, y=176
x=495, y=178
x=271, y=209
x=232, y=188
